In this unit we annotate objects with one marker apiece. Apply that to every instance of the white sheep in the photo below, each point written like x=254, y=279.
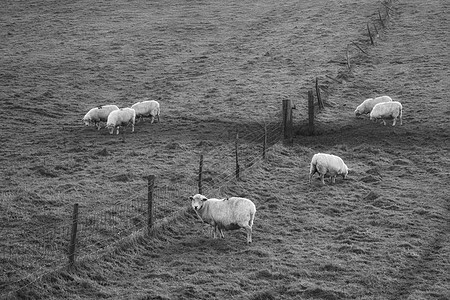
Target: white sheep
x=97, y=114
x=327, y=164
x=121, y=117
x=387, y=110
x=149, y=108
x=225, y=214
x=368, y=104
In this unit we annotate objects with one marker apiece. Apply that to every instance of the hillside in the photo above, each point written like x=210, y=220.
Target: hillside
x=215, y=67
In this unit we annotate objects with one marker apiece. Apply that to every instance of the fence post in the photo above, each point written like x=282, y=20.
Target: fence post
x=73, y=236
x=200, y=171
x=381, y=19
x=370, y=34
x=236, y=153
x=319, y=97
x=287, y=121
x=150, y=186
x=376, y=30
x=311, y=112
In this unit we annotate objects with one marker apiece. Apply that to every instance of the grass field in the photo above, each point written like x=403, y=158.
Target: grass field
x=216, y=66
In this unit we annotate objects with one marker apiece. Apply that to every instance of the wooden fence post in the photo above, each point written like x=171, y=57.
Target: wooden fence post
x=376, y=29
x=200, y=171
x=73, y=236
x=381, y=19
x=287, y=121
x=370, y=34
x=150, y=187
x=236, y=153
x=319, y=97
x=311, y=112
x=356, y=45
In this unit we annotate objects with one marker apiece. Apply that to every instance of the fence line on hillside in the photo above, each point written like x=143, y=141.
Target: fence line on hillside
x=101, y=231
x=98, y=232
x=380, y=23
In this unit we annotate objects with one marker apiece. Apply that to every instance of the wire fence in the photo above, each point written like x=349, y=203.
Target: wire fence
x=26, y=256
x=31, y=254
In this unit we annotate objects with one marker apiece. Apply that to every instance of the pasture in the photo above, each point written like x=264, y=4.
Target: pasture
x=214, y=66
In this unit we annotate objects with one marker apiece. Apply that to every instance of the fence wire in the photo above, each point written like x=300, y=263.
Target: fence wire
x=46, y=248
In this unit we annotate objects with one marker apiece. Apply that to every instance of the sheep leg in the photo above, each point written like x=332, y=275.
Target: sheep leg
x=152, y=119
x=215, y=230
x=221, y=233
x=248, y=229
x=117, y=130
x=384, y=122
x=158, y=118
x=333, y=179
x=310, y=176
x=395, y=120
x=322, y=178
x=132, y=127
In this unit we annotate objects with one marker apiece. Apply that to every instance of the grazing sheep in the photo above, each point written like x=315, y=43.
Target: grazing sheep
x=327, y=164
x=225, y=214
x=147, y=109
x=121, y=117
x=368, y=104
x=97, y=114
x=387, y=110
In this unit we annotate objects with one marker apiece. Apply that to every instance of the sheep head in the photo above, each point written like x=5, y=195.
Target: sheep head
x=197, y=201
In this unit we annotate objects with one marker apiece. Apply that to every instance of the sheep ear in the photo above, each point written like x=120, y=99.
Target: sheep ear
x=191, y=198
x=204, y=199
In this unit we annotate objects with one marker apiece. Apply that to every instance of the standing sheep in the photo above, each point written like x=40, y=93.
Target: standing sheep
x=97, y=114
x=121, y=117
x=368, y=104
x=225, y=214
x=149, y=108
x=327, y=164
x=387, y=110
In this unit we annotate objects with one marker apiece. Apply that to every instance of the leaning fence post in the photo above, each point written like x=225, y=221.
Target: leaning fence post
x=370, y=34
x=319, y=97
x=381, y=19
x=150, y=187
x=73, y=236
x=376, y=30
x=287, y=121
x=200, y=171
x=311, y=112
x=236, y=153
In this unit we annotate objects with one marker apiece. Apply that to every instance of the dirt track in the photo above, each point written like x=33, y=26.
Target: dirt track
x=382, y=234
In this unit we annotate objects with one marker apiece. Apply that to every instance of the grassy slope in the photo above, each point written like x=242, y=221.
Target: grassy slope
x=381, y=234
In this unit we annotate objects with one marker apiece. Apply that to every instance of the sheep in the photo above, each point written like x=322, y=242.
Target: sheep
x=121, y=117
x=97, y=114
x=387, y=110
x=368, y=104
x=327, y=164
x=225, y=214
x=147, y=108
